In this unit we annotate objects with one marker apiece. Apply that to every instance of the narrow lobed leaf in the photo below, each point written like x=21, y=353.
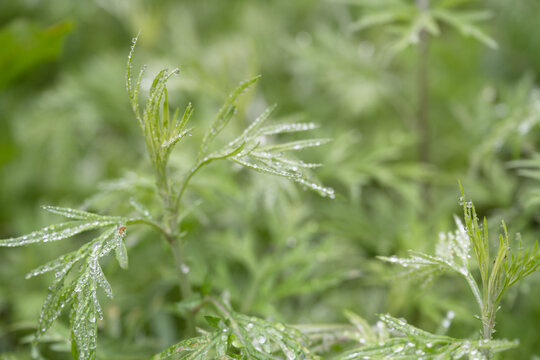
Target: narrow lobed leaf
x=294, y=145
x=57, y=232
x=225, y=114
x=78, y=214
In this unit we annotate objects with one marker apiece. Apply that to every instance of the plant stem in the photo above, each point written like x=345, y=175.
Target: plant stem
x=487, y=310
x=178, y=256
x=170, y=230
x=488, y=324
x=422, y=107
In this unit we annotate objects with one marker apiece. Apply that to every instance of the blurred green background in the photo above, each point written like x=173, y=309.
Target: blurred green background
x=67, y=135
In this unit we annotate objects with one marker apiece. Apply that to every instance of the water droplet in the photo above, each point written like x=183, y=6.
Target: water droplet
x=446, y=323
x=291, y=242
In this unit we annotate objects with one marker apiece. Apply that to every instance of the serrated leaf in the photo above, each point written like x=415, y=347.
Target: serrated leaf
x=253, y=128
x=78, y=214
x=169, y=144
x=57, y=232
x=65, y=262
x=57, y=299
x=411, y=343
x=362, y=326
x=294, y=145
x=263, y=169
x=121, y=255
x=194, y=348
x=286, y=128
x=81, y=291
x=248, y=337
x=225, y=114
x=120, y=246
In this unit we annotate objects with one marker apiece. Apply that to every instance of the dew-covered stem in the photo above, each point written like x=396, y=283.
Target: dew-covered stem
x=488, y=323
x=170, y=230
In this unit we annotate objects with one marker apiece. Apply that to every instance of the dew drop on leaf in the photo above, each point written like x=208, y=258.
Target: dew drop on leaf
x=184, y=269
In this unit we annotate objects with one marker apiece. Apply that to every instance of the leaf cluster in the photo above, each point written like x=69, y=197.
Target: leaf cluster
x=250, y=149
x=237, y=336
x=80, y=290
x=497, y=273
x=408, y=19
x=161, y=132
x=399, y=340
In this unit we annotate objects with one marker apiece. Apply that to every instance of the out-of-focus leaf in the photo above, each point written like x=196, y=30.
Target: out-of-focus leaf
x=25, y=45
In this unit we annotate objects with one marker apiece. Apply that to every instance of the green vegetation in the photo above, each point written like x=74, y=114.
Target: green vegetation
x=381, y=106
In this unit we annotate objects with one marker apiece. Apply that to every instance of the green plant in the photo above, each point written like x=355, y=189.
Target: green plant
x=255, y=257
x=408, y=20
x=415, y=23
x=79, y=289
x=237, y=336
x=497, y=274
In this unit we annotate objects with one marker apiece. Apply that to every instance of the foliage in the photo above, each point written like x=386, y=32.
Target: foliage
x=410, y=342
x=410, y=19
x=236, y=336
x=413, y=94
x=497, y=273
x=161, y=133
x=26, y=45
x=81, y=292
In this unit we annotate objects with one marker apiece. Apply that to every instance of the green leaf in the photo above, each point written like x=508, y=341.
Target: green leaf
x=286, y=128
x=252, y=129
x=225, y=114
x=78, y=214
x=81, y=291
x=386, y=16
x=237, y=336
x=362, y=327
x=120, y=246
x=213, y=321
x=192, y=349
x=410, y=342
x=294, y=145
x=464, y=24
x=25, y=45
x=57, y=232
